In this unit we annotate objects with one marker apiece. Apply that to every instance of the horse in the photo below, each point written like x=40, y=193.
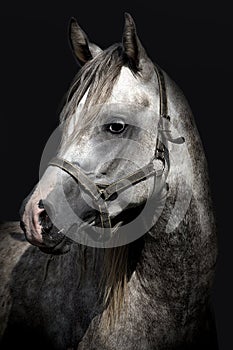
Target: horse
x=117, y=247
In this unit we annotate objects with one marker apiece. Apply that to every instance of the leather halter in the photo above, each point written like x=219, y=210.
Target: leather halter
x=101, y=193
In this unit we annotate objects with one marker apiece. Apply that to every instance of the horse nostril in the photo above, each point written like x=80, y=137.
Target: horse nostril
x=45, y=217
x=45, y=222
x=41, y=204
x=48, y=208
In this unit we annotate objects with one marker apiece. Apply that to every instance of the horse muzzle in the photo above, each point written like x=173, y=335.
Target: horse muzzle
x=39, y=229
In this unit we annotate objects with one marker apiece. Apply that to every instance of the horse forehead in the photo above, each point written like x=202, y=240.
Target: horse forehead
x=132, y=90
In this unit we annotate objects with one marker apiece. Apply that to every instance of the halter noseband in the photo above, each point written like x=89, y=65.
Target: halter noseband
x=101, y=193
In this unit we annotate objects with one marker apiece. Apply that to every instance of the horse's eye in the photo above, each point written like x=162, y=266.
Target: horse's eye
x=116, y=127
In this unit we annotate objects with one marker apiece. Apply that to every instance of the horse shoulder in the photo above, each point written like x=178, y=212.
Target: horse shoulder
x=12, y=247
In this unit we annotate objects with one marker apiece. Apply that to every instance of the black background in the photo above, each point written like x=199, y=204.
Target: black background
x=191, y=41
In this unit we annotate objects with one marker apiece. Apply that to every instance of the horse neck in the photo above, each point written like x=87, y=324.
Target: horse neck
x=177, y=251
x=176, y=270
x=188, y=174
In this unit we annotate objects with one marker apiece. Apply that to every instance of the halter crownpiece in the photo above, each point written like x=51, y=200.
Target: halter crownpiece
x=164, y=121
x=101, y=193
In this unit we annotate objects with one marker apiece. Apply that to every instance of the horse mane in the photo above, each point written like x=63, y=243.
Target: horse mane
x=99, y=75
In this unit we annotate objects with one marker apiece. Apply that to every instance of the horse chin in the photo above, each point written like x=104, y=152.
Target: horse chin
x=128, y=214
x=63, y=246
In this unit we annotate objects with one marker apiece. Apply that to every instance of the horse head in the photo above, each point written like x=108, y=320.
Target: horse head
x=112, y=158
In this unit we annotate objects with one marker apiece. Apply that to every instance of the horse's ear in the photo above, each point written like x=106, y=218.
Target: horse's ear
x=132, y=46
x=83, y=50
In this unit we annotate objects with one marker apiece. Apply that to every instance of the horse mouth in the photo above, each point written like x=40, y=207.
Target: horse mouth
x=114, y=234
